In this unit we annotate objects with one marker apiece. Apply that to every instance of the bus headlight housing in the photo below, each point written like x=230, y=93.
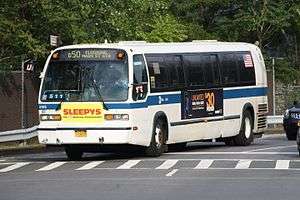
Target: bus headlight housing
x=116, y=117
x=50, y=117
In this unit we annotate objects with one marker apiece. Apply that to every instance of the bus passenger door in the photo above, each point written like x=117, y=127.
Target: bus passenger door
x=139, y=96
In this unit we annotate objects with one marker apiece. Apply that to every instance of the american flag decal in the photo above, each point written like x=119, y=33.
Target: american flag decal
x=248, y=60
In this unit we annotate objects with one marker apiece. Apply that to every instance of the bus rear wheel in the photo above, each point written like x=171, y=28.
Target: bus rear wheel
x=158, y=141
x=73, y=153
x=245, y=136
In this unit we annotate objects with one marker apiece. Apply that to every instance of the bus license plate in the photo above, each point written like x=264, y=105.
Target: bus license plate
x=80, y=133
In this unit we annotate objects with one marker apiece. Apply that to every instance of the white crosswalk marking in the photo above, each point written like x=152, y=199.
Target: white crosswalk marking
x=51, y=166
x=2, y=160
x=13, y=167
x=171, y=173
x=167, y=164
x=204, y=164
x=129, y=164
x=90, y=165
x=282, y=164
x=243, y=164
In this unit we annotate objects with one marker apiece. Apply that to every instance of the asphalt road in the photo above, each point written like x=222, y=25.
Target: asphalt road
x=267, y=169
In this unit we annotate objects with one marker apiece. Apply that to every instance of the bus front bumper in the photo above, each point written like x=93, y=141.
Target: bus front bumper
x=61, y=136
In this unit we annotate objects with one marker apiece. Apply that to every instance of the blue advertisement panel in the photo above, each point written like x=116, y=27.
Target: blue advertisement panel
x=201, y=103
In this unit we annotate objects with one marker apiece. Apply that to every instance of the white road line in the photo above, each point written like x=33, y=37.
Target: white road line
x=204, y=164
x=167, y=164
x=232, y=153
x=129, y=164
x=243, y=164
x=7, y=163
x=90, y=165
x=2, y=160
x=282, y=164
x=171, y=173
x=13, y=167
x=51, y=166
x=277, y=147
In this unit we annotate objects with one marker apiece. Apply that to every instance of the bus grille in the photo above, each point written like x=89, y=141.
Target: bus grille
x=261, y=116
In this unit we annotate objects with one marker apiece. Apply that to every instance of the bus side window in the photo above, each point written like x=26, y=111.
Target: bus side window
x=175, y=71
x=230, y=74
x=140, y=78
x=159, y=77
x=246, y=67
x=194, y=70
x=216, y=70
x=211, y=69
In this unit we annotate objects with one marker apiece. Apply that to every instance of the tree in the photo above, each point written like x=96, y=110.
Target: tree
x=262, y=20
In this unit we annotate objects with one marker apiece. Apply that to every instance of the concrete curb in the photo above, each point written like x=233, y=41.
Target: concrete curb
x=28, y=149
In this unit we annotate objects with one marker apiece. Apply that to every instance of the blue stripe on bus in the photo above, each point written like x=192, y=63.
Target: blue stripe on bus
x=248, y=92
x=172, y=99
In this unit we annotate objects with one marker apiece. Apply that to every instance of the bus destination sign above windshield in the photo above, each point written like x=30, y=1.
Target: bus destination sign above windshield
x=88, y=54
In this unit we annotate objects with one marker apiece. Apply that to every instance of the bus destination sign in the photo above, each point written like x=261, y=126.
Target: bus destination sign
x=88, y=54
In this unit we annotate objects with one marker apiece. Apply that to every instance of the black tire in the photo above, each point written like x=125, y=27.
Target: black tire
x=177, y=146
x=229, y=141
x=291, y=135
x=245, y=136
x=158, y=141
x=73, y=153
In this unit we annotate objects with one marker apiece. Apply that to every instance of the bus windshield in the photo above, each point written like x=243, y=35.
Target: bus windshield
x=86, y=81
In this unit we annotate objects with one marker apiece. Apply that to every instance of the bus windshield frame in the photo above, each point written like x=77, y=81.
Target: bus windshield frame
x=86, y=75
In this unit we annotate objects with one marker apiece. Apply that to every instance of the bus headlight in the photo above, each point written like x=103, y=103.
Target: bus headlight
x=116, y=117
x=54, y=117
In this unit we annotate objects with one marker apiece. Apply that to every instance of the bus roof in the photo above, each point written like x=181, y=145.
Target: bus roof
x=170, y=47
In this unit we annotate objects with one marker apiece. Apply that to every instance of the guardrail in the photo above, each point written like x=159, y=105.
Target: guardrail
x=21, y=134
x=275, y=119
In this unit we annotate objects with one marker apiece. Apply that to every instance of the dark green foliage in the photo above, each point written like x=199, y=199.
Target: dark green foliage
x=25, y=26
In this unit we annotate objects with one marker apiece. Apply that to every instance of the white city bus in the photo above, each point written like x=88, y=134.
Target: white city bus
x=151, y=95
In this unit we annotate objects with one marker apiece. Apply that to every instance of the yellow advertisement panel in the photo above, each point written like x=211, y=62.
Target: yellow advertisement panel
x=82, y=112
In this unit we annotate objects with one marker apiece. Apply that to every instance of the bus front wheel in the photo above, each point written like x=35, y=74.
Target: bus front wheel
x=158, y=141
x=73, y=153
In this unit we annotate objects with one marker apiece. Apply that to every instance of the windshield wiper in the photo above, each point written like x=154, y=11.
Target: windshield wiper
x=96, y=88
x=86, y=79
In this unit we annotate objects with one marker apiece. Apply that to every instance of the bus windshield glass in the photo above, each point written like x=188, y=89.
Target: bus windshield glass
x=86, y=76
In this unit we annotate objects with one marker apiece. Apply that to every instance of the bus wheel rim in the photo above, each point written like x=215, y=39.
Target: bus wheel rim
x=247, y=127
x=158, y=136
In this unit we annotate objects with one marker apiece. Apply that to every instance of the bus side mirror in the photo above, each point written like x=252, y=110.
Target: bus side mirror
x=139, y=91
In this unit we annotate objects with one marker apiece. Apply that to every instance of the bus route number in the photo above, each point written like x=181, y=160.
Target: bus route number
x=74, y=55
